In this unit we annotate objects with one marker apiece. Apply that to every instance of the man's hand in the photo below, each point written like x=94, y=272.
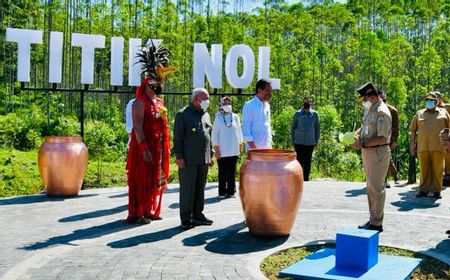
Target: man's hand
x=357, y=144
x=252, y=145
x=412, y=148
x=217, y=152
x=393, y=144
x=147, y=156
x=181, y=164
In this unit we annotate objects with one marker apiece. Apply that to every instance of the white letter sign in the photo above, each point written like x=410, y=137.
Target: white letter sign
x=88, y=44
x=204, y=64
x=263, y=67
x=24, y=39
x=231, y=66
x=55, y=60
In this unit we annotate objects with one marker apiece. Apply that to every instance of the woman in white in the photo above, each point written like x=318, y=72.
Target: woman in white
x=227, y=143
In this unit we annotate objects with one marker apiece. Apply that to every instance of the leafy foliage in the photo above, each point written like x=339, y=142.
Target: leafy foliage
x=320, y=49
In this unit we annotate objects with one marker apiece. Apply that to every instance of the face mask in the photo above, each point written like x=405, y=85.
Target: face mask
x=158, y=90
x=306, y=105
x=226, y=108
x=204, y=104
x=367, y=104
x=430, y=104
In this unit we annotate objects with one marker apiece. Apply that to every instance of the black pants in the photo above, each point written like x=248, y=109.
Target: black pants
x=192, y=191
x=304, y=155
x=227, y=175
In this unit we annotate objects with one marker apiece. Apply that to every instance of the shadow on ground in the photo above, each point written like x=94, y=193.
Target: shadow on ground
x=443, y=246
x=94, y=214
x=209, y=200
x=39, y=198
x=356, y=192
x=80, y=234
x=146, y=238
x=408, y=201
x=168, y=190
x=231, y=241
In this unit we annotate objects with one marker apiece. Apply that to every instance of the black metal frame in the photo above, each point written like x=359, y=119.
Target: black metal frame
x=115, y=89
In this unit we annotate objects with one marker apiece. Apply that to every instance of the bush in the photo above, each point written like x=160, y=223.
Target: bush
x=66, y=126
x=281, y=125
x=22, y=130
x=332, y=159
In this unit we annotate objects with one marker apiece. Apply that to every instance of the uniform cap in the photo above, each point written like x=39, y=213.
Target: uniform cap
x=431, y=96
x=366, y=90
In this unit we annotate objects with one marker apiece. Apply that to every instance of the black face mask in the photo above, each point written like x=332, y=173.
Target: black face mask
x=158, y=90
x=306, y=105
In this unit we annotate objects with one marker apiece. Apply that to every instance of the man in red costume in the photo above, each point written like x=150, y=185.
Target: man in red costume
x=148, y=156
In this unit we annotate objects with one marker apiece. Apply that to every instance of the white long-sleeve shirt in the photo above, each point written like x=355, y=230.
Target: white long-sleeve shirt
x=256, y=123
x=129, y=116
x=226, y=134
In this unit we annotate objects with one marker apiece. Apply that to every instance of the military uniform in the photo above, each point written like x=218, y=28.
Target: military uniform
x=376, y=122
x=192, y=142
x=428, y=124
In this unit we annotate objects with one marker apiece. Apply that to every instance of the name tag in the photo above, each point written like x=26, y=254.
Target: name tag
x=366, y=130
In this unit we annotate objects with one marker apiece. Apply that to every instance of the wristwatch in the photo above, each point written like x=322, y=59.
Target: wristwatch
x=363, y=145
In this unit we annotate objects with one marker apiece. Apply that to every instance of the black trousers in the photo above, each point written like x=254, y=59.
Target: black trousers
x=227, y=175
x=304, y=155
x=192, y=191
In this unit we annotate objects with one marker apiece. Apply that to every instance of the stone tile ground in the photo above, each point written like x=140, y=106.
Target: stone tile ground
x=85, y=237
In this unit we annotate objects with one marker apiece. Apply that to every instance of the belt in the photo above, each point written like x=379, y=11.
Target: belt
x=376, y=146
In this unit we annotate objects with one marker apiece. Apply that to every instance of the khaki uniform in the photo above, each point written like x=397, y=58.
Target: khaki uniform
x=447, y=154
x=376, y=122
x=428, y=124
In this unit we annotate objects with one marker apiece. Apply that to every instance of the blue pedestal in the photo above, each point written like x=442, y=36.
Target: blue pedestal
x=356, y=249
x=356, y=257
x=321, y=265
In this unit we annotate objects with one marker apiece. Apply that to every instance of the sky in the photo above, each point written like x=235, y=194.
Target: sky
x=250, y=5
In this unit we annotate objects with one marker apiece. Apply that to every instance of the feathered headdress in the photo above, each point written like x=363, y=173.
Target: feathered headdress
x=155, y=62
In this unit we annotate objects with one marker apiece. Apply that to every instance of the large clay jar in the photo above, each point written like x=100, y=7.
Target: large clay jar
x=62, y=164
x=270, y=187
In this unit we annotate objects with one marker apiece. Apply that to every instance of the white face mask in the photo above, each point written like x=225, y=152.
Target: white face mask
x=227, y=108
x=367, y=104
x=204, y=104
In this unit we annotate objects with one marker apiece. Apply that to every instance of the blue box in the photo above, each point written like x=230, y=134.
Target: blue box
x=356, y=249
x=321, y=265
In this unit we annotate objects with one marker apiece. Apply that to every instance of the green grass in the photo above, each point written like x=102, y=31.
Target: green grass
x=430, y=268
x=19, y=173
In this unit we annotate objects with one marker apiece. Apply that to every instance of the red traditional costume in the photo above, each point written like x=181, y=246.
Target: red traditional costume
x=147, y=180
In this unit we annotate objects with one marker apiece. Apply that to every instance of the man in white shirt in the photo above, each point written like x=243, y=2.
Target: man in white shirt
x=256, y=128
x=129, y=119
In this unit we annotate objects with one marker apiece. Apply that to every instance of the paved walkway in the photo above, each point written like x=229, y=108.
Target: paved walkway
x=85, y=237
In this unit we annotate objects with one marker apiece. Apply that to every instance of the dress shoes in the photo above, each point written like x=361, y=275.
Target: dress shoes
x=421, y=194
x=202, y=222
x=364, y=225
x=186, y=225
x=371, y=227
x=437, y=195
